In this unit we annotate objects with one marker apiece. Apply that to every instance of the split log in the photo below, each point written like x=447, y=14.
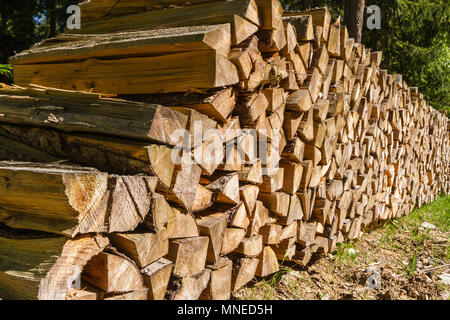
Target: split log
x=213, y=227
x=271, y=233
x=181, y=225
x=72, y=200
x=239, y=217
x=143, y=248
x=268, y=263
x=303, y=25
x=226, y=188
x=271, y=13
x=190, y=287
x=219, y=286
x=232, y=238
x=243, y=271
x=51, y=266
x=186, y=263
x=156, y=278
x=250, y=247
x=112, y=273
x=134, y=295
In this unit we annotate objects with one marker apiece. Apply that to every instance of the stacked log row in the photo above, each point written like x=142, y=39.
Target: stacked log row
x=175, y=150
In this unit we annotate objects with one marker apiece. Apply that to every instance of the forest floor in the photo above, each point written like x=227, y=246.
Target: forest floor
x=403, y=259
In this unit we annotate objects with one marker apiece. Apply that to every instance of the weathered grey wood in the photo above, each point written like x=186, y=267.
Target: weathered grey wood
x=108, y=154
x=14, y=150
x=69, y=47
x=71, y=111
x=242, y=14
x=98, y=9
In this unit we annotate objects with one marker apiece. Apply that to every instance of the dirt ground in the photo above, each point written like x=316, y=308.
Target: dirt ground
x=401, y=260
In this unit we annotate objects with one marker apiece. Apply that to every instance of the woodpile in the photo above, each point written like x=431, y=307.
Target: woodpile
x=176, y=150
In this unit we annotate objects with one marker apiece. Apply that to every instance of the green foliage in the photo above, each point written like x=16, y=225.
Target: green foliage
x=345, y=253
x=414, y=38
x=6, y=73
x=24, y=22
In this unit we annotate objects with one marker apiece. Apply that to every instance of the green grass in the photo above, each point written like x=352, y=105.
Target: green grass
x=436, y=213
x=273, y=279
x=405, y=235
x=345, y=253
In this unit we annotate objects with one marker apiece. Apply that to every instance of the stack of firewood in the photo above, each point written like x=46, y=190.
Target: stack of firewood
x=174, y=150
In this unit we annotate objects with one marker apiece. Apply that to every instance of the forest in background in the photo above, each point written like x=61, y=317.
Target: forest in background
x=414, y=36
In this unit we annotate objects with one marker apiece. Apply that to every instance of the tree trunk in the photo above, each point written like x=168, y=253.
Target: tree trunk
x=308, y=4
x=52, y=17
x=354, y=18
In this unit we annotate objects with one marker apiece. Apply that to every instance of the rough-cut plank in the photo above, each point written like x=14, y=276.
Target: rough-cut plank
x=136, y=75
x=71, y=111
x=216, y=104
x=14, y=150
x=241, y=14
x=66, y=47
x=98, y=9
x=108, y=154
